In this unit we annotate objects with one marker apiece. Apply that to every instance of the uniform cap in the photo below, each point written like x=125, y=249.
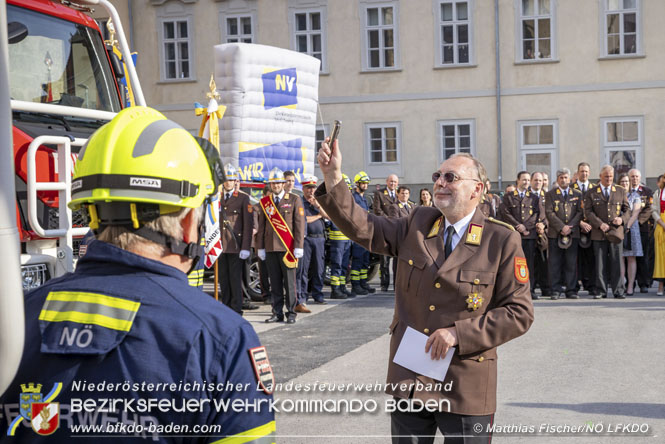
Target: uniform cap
x=309, y=180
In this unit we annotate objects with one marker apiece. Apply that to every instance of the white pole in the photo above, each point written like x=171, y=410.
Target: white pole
x=12, y=322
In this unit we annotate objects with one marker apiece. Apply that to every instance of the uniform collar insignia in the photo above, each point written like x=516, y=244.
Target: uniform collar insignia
x=598, y=190
x=613, y=188
x=434, y=231
x=385, y=191
x=515, y=193
x=558, y=191
x=527, y=193
x=286, y=196
x=474, y=235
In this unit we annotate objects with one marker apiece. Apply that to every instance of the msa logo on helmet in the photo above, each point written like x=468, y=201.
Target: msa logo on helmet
x=280, y=88
x=145, y=182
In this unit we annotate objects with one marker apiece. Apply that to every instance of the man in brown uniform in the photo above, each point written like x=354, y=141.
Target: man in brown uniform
x=271, y=247
x=586, y=263
x=403, y=207
x=382, y=205
x=474, y=298
x=563, y=208
x=606, y=209
x=521, y=209
x=489, y=203
x=235, y=224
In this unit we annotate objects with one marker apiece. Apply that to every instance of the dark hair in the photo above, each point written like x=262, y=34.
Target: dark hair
x=622, y=175
x=420, y=193
x=519, y=175
x=403, y=187
x=581, y=164
x=661, y=176
x=289, y=173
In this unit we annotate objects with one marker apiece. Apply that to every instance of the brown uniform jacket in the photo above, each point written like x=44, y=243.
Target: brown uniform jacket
x=432, y=294
x=576, y=186
x=599, y=210
x=400, y=210
x=291, y=209
x=526, y=211
x=561, y=212
x=236, y=214
x=382, y=202
x=489, y=205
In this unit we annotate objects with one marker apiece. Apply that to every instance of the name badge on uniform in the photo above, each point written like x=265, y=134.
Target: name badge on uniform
x=475, y=234
x=474, y=301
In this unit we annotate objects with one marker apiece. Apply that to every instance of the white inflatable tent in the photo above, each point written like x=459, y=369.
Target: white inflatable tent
x=271, y=98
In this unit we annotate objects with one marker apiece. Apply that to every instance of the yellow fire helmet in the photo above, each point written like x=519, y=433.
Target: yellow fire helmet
x=141, y=165
x=361, y=177
x=347, y=180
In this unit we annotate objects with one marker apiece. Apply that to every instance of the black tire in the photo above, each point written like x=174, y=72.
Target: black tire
x=251, y=282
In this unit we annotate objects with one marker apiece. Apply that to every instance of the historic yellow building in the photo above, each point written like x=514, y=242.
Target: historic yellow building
x=522, y=84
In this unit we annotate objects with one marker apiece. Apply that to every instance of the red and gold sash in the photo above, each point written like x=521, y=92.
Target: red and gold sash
x=281, y=228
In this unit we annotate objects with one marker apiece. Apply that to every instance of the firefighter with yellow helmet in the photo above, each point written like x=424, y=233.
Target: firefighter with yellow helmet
x=127, y=316
x=360, y=256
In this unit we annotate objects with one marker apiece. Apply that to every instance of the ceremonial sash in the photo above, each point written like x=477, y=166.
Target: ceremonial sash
x=281, y=228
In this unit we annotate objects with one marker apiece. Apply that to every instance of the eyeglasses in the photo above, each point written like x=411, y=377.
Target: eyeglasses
x=448, y=177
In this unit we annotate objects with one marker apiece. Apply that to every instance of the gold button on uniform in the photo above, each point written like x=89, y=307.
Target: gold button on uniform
x=426, y=331
x=437, y=285
x=476, y=281
x=410, y=262
x=432, y=308
x=481, y=359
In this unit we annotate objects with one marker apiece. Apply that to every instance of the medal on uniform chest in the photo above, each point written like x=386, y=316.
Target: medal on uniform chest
x=618, y=209
x=474, y=301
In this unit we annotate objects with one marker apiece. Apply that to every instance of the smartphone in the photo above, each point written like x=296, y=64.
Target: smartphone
x=335, y=133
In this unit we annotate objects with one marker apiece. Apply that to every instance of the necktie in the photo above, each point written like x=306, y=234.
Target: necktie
x=565, y=195
x=228, y=195
x=276, y=199
x=606, y=192
x=583, y=188
x=521, y=195
x=448, y=247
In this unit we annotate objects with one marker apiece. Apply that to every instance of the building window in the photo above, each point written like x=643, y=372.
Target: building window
x=308, y=32
x=621, y=24
x=622, y=143
x=383, y=141
x=454, y=30
x=536, y=30
x=239, y=29
x=176, y=44
x=322, y=131
x=456, y=136
x=380, y=36
x=538, y=146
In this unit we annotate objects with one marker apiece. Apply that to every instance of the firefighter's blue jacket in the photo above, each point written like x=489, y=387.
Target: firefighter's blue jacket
x=119, y=323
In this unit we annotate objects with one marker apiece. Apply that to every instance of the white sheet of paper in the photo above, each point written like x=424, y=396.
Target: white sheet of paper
x=411, y=354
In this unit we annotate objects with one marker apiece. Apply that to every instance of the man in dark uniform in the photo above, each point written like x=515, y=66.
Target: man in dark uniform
x=313, y=260
x=462, y=282
x=586, y=262
x=606, y=209
x=385, y=198
x=281, y=248
x=489, y=203
x=540, y=258
x=521, y=209
x=235, y=223
x=360, y=256
x=644, y=262
x=563, y=208
x=127, y=316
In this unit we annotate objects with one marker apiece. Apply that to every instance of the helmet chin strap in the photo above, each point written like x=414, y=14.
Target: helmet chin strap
x=191, y=250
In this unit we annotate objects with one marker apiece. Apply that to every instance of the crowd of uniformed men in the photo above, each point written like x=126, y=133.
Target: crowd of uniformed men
x=572, y=232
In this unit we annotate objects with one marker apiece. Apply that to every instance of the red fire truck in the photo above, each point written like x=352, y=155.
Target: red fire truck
x=63, y=86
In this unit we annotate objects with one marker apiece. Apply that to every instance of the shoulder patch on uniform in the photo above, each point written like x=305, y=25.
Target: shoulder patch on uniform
x=435, y=228
x=250, y=208
x=498, y=222
x=521, y=270
x=262, y=368
x=286, y=196
x=301, y=211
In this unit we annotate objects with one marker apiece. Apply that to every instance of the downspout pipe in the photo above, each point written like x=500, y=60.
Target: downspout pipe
x=497, y=56
x=12, y=317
